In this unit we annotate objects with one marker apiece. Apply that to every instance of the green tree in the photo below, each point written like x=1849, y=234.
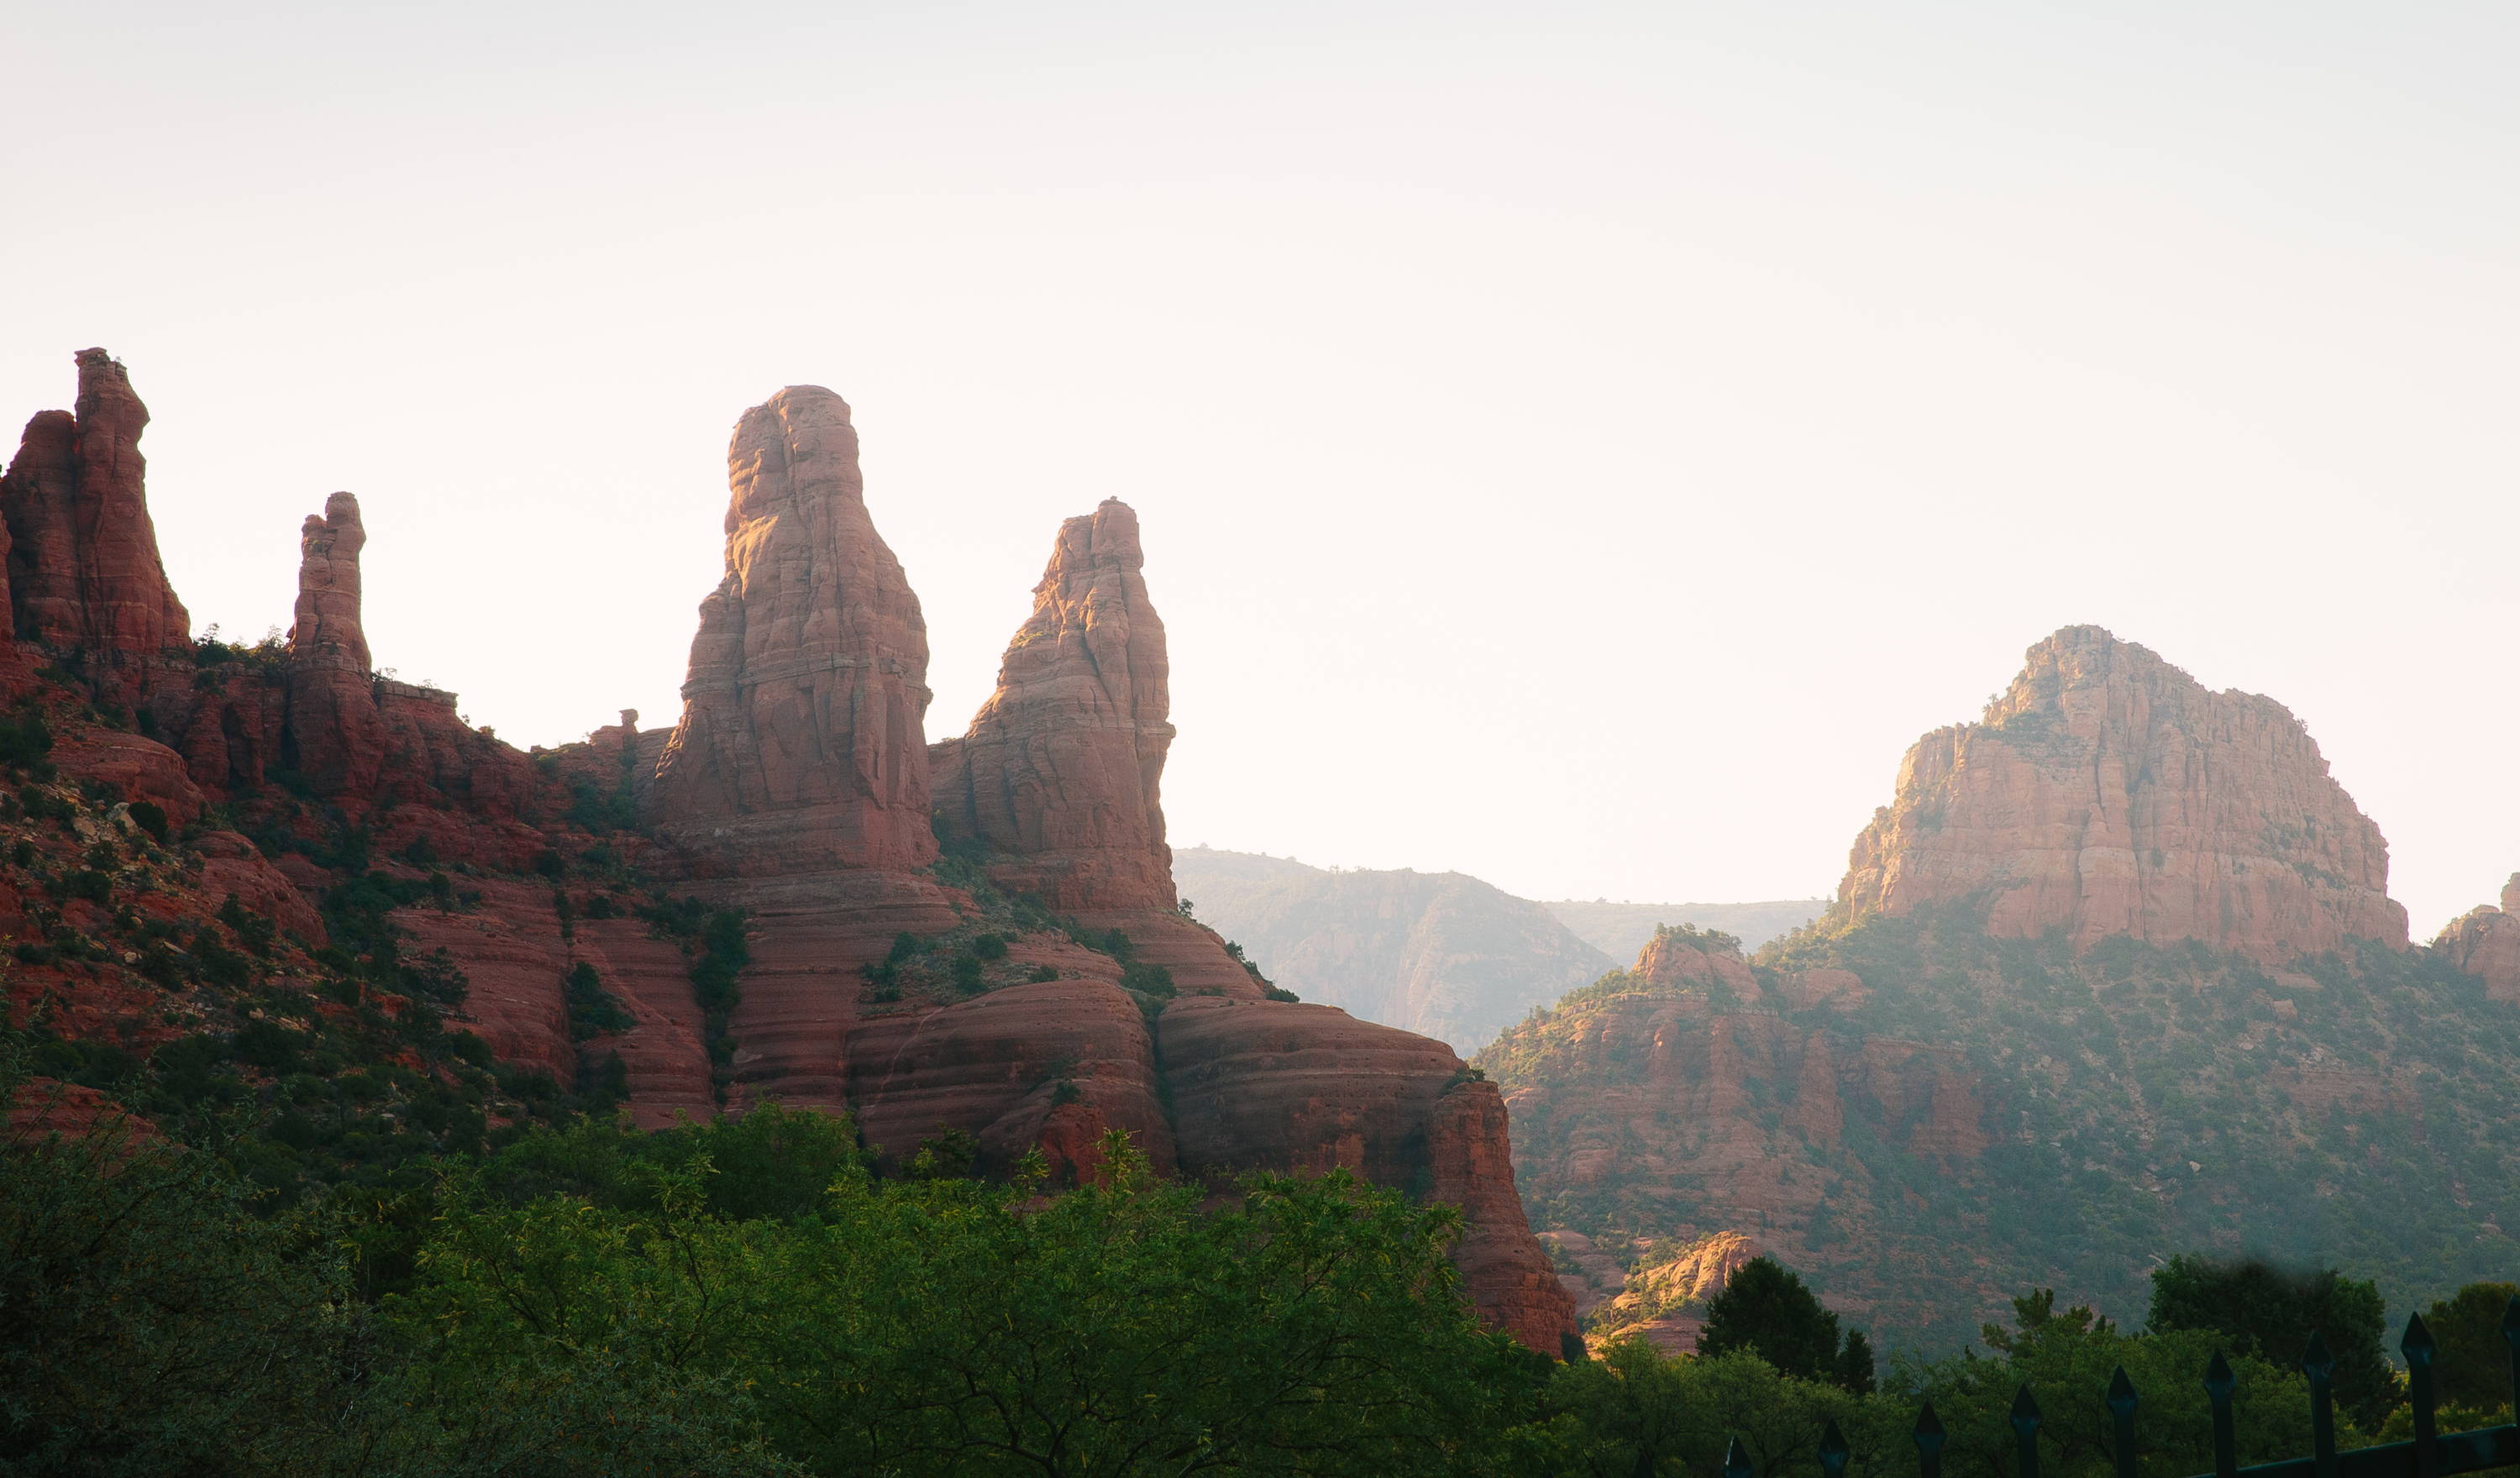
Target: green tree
x=1765, y=1308
x=150, y=1323
x=2067, y=1359
x=2472, y=1368
x=2272, y=1311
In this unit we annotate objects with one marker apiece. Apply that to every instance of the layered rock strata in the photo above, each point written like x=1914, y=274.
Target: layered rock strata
x=800, y=745
x=2107, y=793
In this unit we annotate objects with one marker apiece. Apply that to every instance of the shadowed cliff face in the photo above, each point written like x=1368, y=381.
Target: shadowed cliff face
x=800, y=745
x=2107, y=793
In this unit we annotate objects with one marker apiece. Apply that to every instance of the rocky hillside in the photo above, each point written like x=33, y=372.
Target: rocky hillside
x=267, y=880
x=1620, y=929
x=2116, y=975
x=1436, y=952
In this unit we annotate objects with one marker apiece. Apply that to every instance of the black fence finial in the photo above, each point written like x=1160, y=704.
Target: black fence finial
x=2219, y=1386
x=2025, y=1429
x=2419, y=1348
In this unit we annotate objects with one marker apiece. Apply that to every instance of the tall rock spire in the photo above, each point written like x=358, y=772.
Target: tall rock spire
x=1060, y=770
x=2107, y=793
x=801, y=745
x=83, y=559
x=334, y=730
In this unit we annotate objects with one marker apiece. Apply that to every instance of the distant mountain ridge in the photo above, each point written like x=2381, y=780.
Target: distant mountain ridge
x=1441, y=954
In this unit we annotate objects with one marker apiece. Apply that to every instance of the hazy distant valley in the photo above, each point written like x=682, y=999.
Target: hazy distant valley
x=1442, y=954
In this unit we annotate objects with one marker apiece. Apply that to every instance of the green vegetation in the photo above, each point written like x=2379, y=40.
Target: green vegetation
x=1765, y=1310
x=749, y=1297
x=2274, y=1312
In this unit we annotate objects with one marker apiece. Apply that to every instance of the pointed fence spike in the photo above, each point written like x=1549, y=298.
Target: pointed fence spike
x=2318, y=1365
x=2220, y=1383
x=2025, y=1407
x=2419, y=1350
x=2417, y=1345
x=2025, y=1430
x=1834, y=1450
x=2219, y=1386
x=1929, y=1433
x=2121, y=1402
x=2122, y=1391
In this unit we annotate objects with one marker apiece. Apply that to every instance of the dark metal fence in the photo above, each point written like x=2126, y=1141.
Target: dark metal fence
x=2430, y=1454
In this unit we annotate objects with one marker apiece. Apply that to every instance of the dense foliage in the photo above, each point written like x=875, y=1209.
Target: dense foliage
x=1765, y=1309
x=749, y=1297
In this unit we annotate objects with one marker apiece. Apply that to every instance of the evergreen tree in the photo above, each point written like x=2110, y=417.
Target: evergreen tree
x=1765, y=1308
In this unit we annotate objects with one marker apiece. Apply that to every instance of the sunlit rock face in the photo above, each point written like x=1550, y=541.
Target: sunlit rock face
x=2107, y=793
x=800, y=745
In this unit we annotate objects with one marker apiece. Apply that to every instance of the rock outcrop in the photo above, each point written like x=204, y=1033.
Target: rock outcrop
x=83, y=568
x=1059, y=772
x=2486, y=943
x=337, y=737
x=1665, y=1298
x=801, y=745
x=2107, y=793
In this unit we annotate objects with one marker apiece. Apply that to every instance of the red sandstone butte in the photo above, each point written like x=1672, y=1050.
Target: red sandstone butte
x=800, y=745
x=1061, y=769
x=83, y=561
x=2486, y=943
x=2107, y=792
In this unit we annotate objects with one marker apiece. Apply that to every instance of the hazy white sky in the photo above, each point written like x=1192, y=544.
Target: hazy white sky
x=1582, y=445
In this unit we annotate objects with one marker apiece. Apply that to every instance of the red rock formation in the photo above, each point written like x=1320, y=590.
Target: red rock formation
x=2486, y=943
x=1061, y=769
x=800, y=743
x=794, y=788
x=332, y=721
x=2107, y=792
x=83, y=563
x=1665, y=1300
